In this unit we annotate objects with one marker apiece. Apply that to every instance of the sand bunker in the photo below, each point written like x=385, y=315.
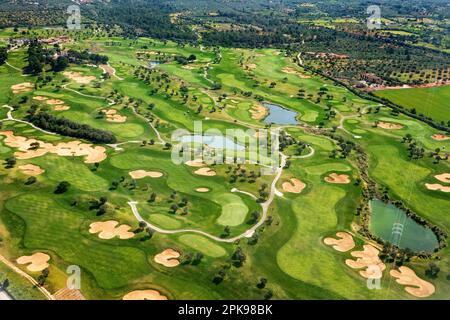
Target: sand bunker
x=445, y=177
x=31, y=170
x=68, y=294
x=168, y=258
x=251, y=66
x=344, y=244
x=389, y=126
x=293, y=186
x=140, y=174
x=437, y=187
x=205, y=172
x=258, y=112
x=61, y=108
x=112, y=116
x=22, y=87
x=367, y=259
x=40, y=98
x=78, y=77
x=291, y=70
x=144, y=295
x=65, y=149
x=53, y=102
x=37, y=262
x=440, y=137
x=108, y=230
x=417, y=287
x=202, y=190
x=338, y=178
x=195, y=163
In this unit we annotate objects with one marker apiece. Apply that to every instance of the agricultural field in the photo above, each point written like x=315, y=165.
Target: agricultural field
x=93, y=179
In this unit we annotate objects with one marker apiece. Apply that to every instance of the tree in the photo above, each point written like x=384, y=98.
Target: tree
x=432, y=271
x=238, y=257
x=10, y=162
x=262, y=283
x=62, y=187
x=3, y=55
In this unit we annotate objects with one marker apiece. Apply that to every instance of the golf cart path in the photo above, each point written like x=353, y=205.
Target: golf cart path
x=265, y=207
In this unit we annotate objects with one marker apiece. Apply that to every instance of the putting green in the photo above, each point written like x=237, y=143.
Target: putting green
x=327, y=167
x=203, y=245
x=234, y=210
x=309, y=116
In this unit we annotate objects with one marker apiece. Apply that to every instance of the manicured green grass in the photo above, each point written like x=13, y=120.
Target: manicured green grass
x=202, y=244
x=432, y=102
x=234, y=210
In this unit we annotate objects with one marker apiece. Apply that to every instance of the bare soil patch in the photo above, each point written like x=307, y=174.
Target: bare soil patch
x=343, y=244
x=415, y=285
x=31, y=170
x=36, y=262
x=140, y=174
x=144, y=295
x=110, y=229
x=338, y=178
x=168, y=258
x=293, y=186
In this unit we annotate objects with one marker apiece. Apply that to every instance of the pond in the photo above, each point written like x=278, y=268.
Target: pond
x=216, y=142
x=280, y=115
x=393, y=225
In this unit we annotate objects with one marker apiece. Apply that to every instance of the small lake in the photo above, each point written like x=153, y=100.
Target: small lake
x=216, y=142
x=280, y=115
x=386, y=222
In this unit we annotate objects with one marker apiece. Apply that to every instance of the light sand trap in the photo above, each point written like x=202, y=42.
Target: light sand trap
x=108, y=230
x=40, y=98
x=144, y=295
x=344, y=244
x=251, y=66
x=168, y=258
x=37, y=262
x=22, y=87
x=416, y=286
x=188, y=67
x=61, y=108
x=53, y=102
x=445, y=177
x=367, y=259
x=291, y=70
x=205, y=172
x=78, y=77
x=258, y=112
x=112, y=116
x=355, y=227
x=293, y=186
x=389, y=126
x=440, y=137
x=437, y=187
x=31, y=170
x=140, y=174
x=195, y=163
x=202, y=190
x=65, y=149
x=338, y=178
x=68, y=294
